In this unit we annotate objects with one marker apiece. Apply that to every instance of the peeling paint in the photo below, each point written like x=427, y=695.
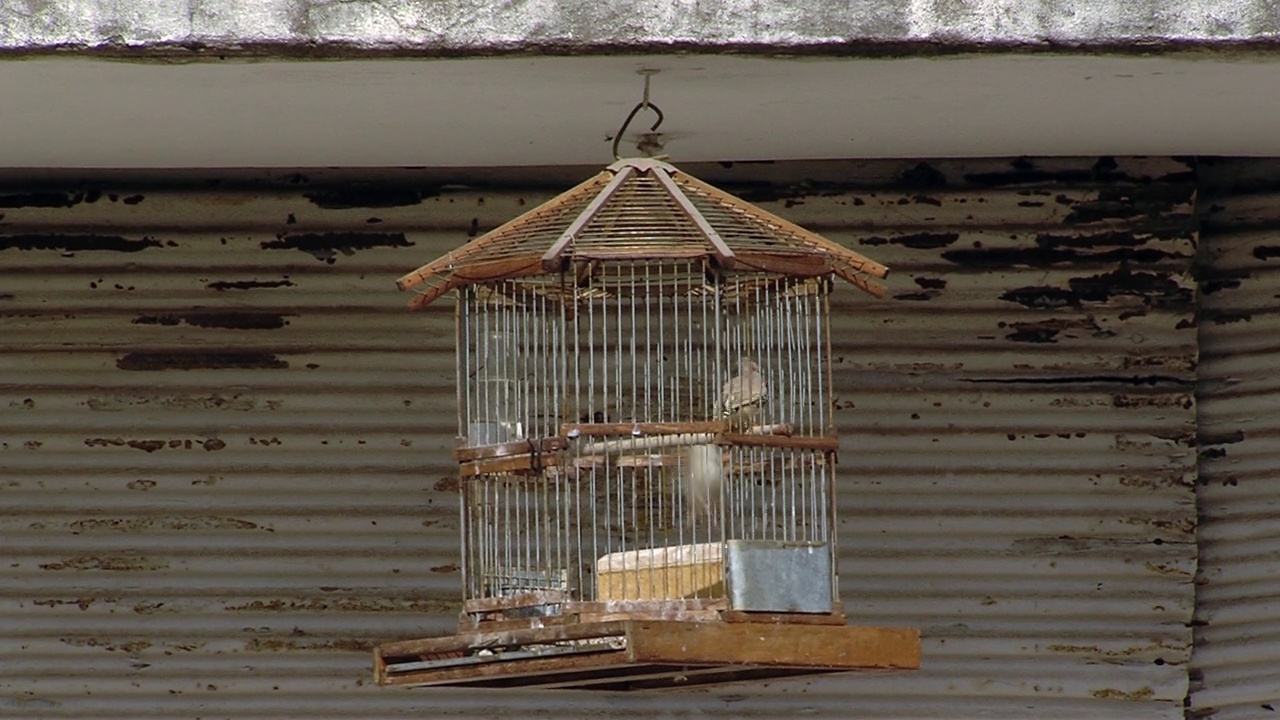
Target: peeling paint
x=915, y=241
x=370, y=196
x=224, y=285
x=366, y=535
x=224, y=319
x=77, y=243
x=1049, y=254
x=42, y=200
x=326, y=246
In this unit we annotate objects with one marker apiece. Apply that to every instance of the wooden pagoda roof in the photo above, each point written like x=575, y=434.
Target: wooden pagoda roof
x=640, y=208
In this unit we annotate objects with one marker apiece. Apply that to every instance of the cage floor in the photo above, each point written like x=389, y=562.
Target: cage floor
x=643, y=654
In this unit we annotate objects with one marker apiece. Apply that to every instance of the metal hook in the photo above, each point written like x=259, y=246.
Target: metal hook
x=642, y=105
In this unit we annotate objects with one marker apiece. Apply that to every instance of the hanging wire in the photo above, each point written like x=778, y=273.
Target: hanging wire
x=642, y=105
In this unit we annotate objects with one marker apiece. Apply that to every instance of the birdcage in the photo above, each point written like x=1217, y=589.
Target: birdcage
x=645, y=444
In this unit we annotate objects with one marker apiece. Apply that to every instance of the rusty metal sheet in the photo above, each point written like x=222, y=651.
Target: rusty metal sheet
x=1237, y=620
x=224, y=458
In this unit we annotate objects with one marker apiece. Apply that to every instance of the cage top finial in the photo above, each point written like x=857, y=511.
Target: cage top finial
x=642, y=209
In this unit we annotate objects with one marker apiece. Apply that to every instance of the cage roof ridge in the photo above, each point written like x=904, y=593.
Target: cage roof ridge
x=642, y=209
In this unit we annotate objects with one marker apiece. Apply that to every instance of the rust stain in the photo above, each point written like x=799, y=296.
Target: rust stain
x=1096, y=651
x=280, y=644
x=117, y=403
x=1061, y=545
x=150, y=446
x=346, y=604
x=131, y=647
x=1142, y=693
x=450, y=568
x=1166, y=569
x=1154, y=480
x=1184, y=401
x=141, y=484
x=449, y=483
x=199, y=360
x=145, y=524
x=147, y=608
x=114, y=563
x=84, y=603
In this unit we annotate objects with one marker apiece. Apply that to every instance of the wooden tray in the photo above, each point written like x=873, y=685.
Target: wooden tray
x=643, y=654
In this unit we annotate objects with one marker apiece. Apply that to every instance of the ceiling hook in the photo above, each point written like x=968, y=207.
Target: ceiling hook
x=644, y=104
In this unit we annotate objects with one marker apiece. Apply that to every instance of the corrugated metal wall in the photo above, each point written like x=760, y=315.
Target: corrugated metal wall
x=224, y=466
x=1236, y=666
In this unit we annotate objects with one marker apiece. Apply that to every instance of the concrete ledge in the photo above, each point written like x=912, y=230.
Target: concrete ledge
x=352, y=28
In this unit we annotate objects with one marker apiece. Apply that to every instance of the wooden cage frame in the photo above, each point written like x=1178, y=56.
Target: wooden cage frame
x=547, y=638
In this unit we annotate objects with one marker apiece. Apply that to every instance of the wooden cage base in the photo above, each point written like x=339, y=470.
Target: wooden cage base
x=643, y=654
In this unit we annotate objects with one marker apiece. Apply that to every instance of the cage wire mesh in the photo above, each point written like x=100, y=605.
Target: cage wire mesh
x=643, y=368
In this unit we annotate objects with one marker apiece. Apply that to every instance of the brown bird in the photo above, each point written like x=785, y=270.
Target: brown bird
x=742, y=397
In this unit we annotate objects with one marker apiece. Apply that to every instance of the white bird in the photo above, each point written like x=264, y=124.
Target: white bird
x=742, y=396
x=704, y=475
x=704, y=463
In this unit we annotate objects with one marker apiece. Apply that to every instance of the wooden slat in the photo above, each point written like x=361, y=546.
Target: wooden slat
x=854, y=278
x=722, y=252
x=481, y=623
x=700, y=616
x=509, y=670
x=531, y=636
x=515, y=266
x=523, y=600
x=861, y=262
x=769, y=644
x=633, y=674
x=513, y=463
x=829, y=444
x=710, y=676
x=832, y=618
x=641, y=252
x=811, y=265
x=478, y=246
x=638, y=429
x=649, y=606
x=551, y=260
x=518, y=447
x=434, y=293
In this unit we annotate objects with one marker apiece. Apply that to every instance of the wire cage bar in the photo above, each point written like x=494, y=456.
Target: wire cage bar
x=687, y=406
